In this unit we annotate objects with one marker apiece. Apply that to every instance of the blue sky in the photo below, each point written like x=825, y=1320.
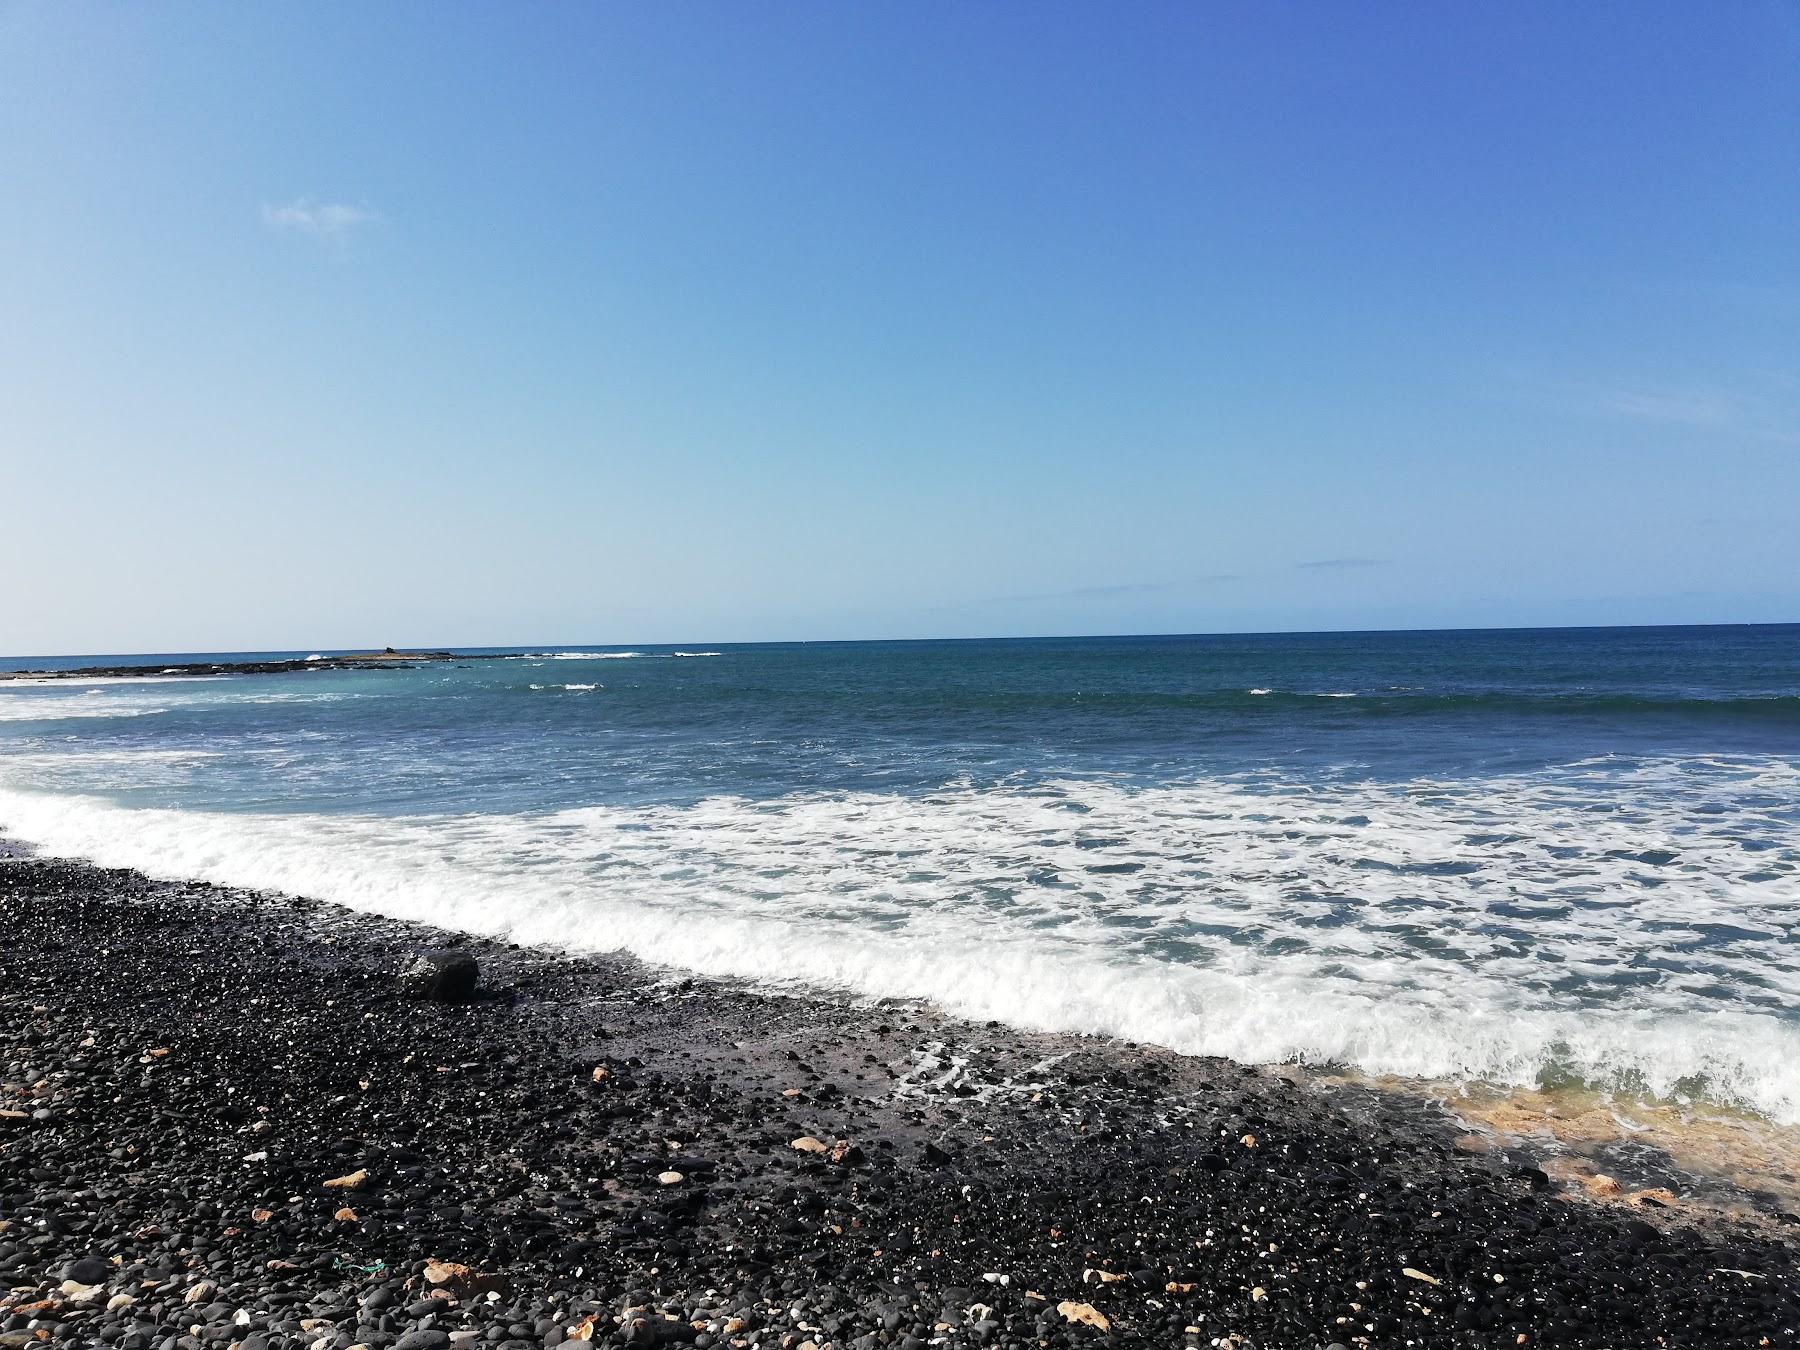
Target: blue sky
x=340, y=324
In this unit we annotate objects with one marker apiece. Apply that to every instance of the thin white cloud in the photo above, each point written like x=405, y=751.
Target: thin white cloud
x=1682, y=407
x=1763, y=410
x=1766, y=416
x=322, y=220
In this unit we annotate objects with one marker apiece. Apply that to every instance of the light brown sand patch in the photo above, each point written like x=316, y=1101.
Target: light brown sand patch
x=1648, y=1154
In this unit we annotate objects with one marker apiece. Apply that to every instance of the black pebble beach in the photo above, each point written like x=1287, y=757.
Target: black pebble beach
x=226, y=1120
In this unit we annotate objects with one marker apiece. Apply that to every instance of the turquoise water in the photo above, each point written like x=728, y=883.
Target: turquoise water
x=1505, y=855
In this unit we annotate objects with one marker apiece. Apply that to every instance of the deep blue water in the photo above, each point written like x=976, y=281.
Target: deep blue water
x=1520, y=855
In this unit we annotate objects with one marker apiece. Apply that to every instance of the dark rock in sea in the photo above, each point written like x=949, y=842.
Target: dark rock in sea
x=447, y=976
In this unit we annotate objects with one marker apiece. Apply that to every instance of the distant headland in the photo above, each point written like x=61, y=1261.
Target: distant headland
x=385, y=659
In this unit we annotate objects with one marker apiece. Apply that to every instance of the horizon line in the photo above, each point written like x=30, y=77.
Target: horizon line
x=1022, y=637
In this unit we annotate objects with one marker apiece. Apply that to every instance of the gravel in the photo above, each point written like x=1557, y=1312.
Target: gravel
x=184, y=1068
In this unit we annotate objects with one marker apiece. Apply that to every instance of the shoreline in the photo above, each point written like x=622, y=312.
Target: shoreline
x=187, y=1066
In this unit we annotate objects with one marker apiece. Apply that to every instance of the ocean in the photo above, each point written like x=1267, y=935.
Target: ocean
x=1529, y=858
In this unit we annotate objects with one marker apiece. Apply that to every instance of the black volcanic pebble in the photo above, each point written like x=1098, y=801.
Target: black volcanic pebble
x=446, y=976
x=210, y=1059
x=87, y=1270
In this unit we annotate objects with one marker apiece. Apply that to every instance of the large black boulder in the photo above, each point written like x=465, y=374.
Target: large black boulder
x=445, y=976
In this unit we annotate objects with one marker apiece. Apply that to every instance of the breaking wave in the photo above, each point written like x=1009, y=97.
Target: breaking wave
x=1631, y=929
x=576, y=656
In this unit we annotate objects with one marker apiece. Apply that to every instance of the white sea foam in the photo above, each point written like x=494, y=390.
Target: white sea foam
x=63, y=770
x=1496, y=928
x=1262, y=691
x=19, y=708
x=134, y=697
x=600, y=656
x=89, y=681
x=85, y=759
x=576, y=656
